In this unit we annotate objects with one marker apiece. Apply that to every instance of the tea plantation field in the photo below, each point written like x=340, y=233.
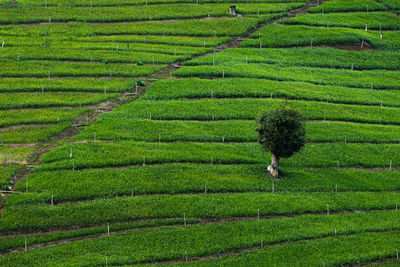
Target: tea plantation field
x=128, y=133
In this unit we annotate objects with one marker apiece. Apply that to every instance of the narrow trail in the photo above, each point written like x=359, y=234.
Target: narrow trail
x=174, y=225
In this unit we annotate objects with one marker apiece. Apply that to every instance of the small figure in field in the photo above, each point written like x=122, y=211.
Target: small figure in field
x=14, y=2
x=232, y=10
x=281, y=132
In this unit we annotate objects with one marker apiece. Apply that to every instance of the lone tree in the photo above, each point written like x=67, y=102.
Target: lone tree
x=281, y=132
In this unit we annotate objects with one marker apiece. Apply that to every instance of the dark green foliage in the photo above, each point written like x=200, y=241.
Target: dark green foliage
x=281, y=131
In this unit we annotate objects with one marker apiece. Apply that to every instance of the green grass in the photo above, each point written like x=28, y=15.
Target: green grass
x=156, y=39
x=113, y=85
x=32, y=133
x=301, y=35
x=6, y=172
x=34, y=116
x=115, y=3
x=346, y=5
x=15, y=155
x=41, y=69
x=231, y=131
x=310, y=57
x=52, y=99
x=66, y=185
x=391, y=4
x=208, y=206
x=94, y=155
x=332, y=251
x=120, y=49
x=18, y=241
x=132, y=247
x=138, y=13
x=101, y=56
x=375, y=20
x=373, y=79
x=199, y=28
x=257, y=88
x=183, y=44
x=249, y=109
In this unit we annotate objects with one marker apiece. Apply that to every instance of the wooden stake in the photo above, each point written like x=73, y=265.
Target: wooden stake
x=186, y=256
x=273, y=186
x=335, y=230
x=52, y=199
x=108, y=229
x=327, y=209
x=184, y=219
x=26, y=244
x=258, y=214
x=205, y=188
x=144, y=160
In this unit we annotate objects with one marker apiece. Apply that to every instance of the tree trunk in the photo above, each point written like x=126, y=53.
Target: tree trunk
x=273, y=169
